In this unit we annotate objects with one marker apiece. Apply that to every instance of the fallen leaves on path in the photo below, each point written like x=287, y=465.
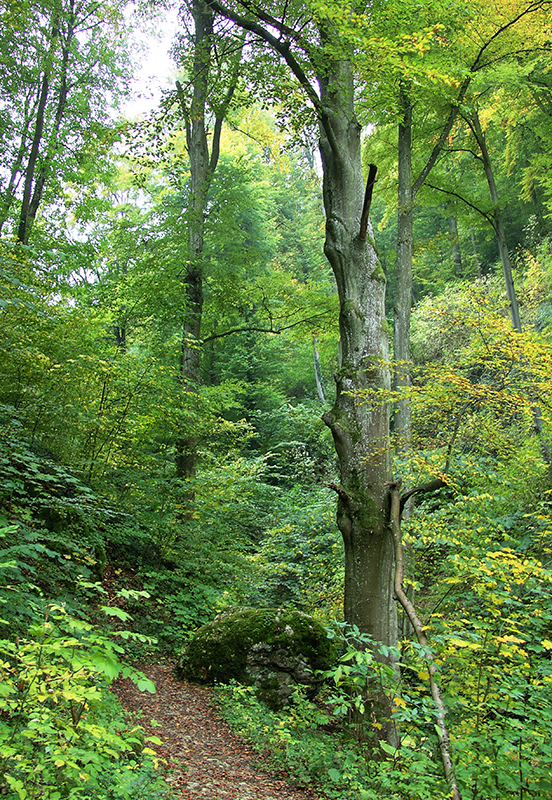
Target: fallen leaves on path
x=205, y=758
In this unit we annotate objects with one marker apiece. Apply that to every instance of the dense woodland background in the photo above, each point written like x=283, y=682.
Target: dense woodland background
x=139, y=498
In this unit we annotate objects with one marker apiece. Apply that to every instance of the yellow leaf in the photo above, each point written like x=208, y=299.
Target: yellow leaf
x=423, y=675
x=399, y=701
x=547, y=644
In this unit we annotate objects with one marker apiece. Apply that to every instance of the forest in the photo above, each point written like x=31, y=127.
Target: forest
x=282, y=342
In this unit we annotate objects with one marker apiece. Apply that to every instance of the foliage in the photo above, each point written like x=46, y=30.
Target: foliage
x=333, y=742
x=299, y=561
x=91, y=404
x=486, y=592
x=61, y=733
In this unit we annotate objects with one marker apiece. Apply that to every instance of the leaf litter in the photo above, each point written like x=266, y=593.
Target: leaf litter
x=204, y=758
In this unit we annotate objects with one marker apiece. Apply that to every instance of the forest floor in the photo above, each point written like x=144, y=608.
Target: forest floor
x=205, y=758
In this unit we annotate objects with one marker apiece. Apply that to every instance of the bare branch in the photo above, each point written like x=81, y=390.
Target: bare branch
x=257, y=329
x=463, y=199
x=430, y=486
x=339, y=490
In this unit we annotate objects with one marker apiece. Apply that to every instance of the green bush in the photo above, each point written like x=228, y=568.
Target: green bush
x=62, y=734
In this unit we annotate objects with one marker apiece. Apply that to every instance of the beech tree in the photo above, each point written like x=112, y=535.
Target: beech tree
x=319, y=58
x=212, y=81
x=448, y=78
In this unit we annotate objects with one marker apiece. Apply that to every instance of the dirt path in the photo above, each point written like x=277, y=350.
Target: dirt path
x=207, y=760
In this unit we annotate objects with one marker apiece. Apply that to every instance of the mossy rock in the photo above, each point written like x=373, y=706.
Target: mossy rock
x=275, y=649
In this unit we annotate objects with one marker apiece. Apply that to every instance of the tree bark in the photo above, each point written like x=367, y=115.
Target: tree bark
x=455, y=241
x=61, y=104
x=500, y=232
x=318, y=373
x=200, y=179
x=476, y=254
x=202, y=168
x=403, y=298
x=360, y=431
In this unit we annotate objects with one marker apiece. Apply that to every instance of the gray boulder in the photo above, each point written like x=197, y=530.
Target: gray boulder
x=274, y=649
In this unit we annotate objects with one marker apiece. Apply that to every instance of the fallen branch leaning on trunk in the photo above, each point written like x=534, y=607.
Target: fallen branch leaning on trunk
x=444, y=741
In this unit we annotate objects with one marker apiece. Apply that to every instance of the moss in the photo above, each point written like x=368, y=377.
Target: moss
x=351, y=307
x=261, y=646
x=378, y=274
x=367, y=511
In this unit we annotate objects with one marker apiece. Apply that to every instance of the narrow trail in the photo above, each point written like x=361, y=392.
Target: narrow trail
x=206, y=759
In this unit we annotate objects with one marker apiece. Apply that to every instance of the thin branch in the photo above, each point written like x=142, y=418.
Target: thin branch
x=430, y=163
x=430, y=486
x=529, y=10
x=339, y=490
x=455, y=105
x=281, y=47
x=256, y=329
x=463, y=199
x=464, y=150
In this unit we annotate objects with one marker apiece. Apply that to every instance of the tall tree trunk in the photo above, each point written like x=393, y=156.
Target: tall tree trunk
x=403, y=298
x=500, y=233
x=476, y=253
x=456, y=252
x=202, y=168
x=318, y=373
x=17, y=166
x=359, y=425
x=60, y=105
x=360, y=430
x=407, y=192
x=200, y=179
x=25, y=218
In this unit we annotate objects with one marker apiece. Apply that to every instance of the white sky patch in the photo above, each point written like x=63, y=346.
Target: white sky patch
x=157, y=70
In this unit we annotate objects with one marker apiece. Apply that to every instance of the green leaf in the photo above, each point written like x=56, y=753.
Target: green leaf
x=145, y=685
x=387, y=748
x=114, y=611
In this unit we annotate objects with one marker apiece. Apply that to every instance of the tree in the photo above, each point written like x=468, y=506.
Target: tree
x=63, y=58
x=318, y=56
x=206, y=71
x=491, y=47
x=497, y=216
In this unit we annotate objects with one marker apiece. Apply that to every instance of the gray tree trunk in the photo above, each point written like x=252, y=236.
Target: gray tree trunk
x=406, y=196
x=403, y=297
x=202, y=169
x=200, y=179
x=500, y=233
x=476, y=254
x=318, y=373
x=360, y=430
x=360, y=426
x=25, y=215
x=456, y=252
